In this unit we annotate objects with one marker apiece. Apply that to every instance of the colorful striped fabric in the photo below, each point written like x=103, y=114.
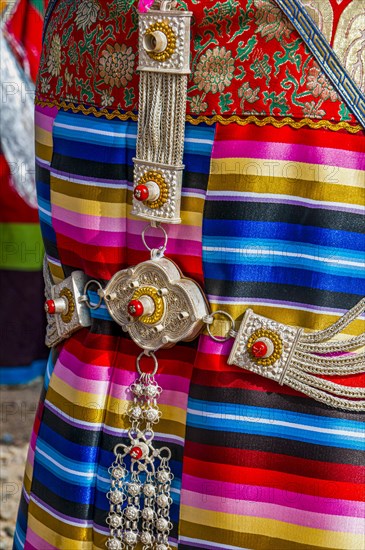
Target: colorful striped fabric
x=271, y=219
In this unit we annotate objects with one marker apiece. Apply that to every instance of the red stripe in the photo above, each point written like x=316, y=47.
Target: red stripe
x=278, y=462
x=285, y=482
x=286, y=134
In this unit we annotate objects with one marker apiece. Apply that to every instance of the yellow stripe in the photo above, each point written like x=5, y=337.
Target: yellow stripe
x=249, y=178
x=58, y=540
x=43, y=152
x=88, y=207
x=56, y=272
x=43, y=137
x=309, y=320
x=289, y=170
x=109, y=209
x=99, y=404
x=273, y=528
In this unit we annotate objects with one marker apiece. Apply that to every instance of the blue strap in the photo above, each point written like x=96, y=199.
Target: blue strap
x=325, y=56
x=51, y=6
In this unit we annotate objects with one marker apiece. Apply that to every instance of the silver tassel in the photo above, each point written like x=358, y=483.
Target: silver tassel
x=298, y=360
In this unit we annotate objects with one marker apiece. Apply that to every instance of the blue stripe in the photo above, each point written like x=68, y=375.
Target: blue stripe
x=266, y=429
x=74, y=493
x=285, y=246
x=288, y=276
x=69, y=449
x=279, y=230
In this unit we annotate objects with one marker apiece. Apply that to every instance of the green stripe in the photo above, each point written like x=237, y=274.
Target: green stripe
x=21, y=246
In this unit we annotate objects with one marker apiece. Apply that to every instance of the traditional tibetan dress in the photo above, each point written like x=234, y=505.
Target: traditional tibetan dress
x=271, y=204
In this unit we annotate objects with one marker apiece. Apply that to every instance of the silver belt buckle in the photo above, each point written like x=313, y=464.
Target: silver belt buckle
x=66, y=313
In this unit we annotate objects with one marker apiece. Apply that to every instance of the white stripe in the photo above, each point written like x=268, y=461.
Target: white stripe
x=68, y=417
x=304, y=200
x=42, y=161
x=196, y=140
x=71, y=179
x=210, y=543
x=264, y=252
x=190, y=194
x=56, y=463
x=54, y=262
x=47, y=212
x=18, y=537
x=94, y=131
x=254, y=420
x=85, y=523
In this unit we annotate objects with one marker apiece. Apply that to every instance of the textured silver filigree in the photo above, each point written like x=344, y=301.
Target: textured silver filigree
x=302, y=359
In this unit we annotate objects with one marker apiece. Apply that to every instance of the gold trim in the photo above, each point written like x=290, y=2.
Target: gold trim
x=163, y=27
x=66, y=317
x=251, y=119
x=278, y=123
x=276, y=340
x=157, y=300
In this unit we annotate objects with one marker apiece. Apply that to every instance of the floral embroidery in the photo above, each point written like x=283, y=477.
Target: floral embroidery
x=87, y=13
x=116, y=65
x=54, y=57
x=197, y=105
x=246, y=58
x=68, y=77
x=215, y=70
x=271, y=21
x=318, y=83
x=106, y=99
x=248, y=94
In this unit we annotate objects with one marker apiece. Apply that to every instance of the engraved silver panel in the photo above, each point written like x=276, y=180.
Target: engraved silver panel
x=169, y=211
x=241, y=357
x=57, y=328
x=179, y=23
x=184, y=303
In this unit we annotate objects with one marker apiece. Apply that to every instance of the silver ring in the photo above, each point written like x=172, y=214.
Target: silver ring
x=124, y=447
x=155, y=226
x=149, y=354
x=86, y=300
x=221, y=338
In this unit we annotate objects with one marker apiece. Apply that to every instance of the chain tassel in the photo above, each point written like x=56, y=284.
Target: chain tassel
x=139, y=496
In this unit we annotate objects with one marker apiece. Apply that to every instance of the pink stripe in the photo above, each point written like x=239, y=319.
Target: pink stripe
x=85, y=221
x=178, y=231
x=31, y=450
x=210, y=347
x=189, y=248
x=108, y=239
x=37, y=542
x=288, y=151
x=118, y=391
x=271, y=495
x=44, y=121
x=285, y=514
x=48, y=111
x=120, y=376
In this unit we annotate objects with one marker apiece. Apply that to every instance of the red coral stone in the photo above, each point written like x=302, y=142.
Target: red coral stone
x=136, y=453
x=259, y=349
x=50, y=307
x=141, y=192
x=135, y=308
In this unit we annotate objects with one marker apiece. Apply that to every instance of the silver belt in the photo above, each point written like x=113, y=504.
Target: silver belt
x=159, y=307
